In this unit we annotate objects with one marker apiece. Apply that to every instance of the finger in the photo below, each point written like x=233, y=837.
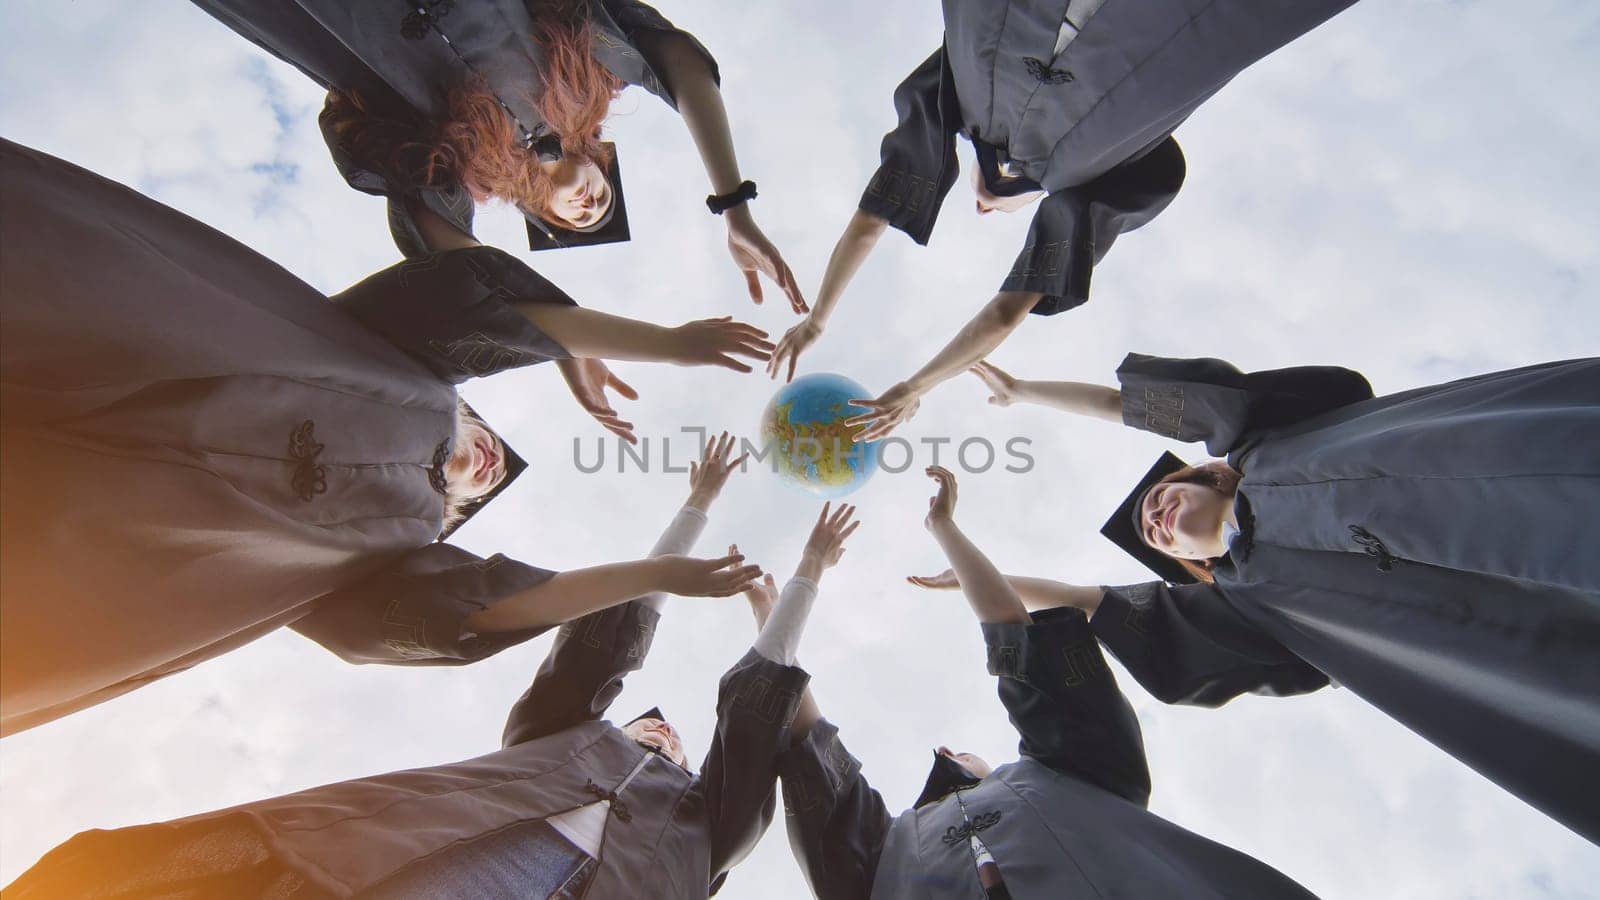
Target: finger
x=750, y=347
x=744, y=329
x=621, y=387
x=848, y=531
x=740, y=575
x=840, y=516
x=724, y=447
x=791, y=287
x=694, y=471
x=705, y=454
x=793, y=359
x=623, y=430
x=728, y=362
x=753, y=284
x=822, y=516
x=731, y=559
x=738, y=463
x=767, y=580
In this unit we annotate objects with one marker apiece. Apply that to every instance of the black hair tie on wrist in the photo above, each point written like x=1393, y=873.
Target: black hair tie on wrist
x=721, y=203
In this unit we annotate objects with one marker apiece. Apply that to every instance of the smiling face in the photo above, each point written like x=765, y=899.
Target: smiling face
x=972, y=762
x=1184, y=520
x=657, y=734
x=477, y=461
x=581, y=195
x=989, y=202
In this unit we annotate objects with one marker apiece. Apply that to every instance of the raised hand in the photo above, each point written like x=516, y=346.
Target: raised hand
x=715, y=342
x=762, y=595
x=588, y=380
x=793, y=343
x=1002, y=386
x=707, y=476
x=826, y=543
x=944, y=581
x=941, y=506
x=690, y=577
x=898, y=404
x=756, y=256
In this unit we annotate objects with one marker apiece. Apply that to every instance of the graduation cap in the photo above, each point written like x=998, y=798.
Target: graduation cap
x=515, y=464
x=1124, y=531
x=945, y=778
x=545, y=234
x=653, y=712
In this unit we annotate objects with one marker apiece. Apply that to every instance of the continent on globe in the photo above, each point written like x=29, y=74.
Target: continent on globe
x=804, y=432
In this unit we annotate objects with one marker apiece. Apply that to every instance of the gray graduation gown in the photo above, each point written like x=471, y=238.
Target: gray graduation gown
x=200, y=448
x=404, y=57
x=1066, y=820
x=1433, y=551
x=1091, y=126
x=670, y=834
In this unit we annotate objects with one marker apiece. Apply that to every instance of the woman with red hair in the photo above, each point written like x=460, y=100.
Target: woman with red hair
x=438, y=105
x=1433, y=551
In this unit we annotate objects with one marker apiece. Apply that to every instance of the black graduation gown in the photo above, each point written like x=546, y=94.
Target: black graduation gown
x=1432, y=551
x=670, y=833
x=1091, y=126
x=403, y=62
x=200, y=448
x=1068, y=819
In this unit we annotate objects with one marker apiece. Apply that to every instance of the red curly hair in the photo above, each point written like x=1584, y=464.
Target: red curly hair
x=478, y=145
x=1220, y=477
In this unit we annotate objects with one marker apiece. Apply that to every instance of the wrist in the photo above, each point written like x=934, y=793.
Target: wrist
x=700, y=500
x=810, y=568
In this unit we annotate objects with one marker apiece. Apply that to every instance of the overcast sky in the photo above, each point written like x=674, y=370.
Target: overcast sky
x=1409, y=191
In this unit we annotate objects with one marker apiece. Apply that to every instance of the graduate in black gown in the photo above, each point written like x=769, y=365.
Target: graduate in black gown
x=1432, y=551
x=200, y=448
x=1070, y=105
x=439, y=106
x=442, y=104
x=1067, y=819
x=571, y=805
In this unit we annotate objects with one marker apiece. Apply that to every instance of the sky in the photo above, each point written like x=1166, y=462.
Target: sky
x=1408, y=191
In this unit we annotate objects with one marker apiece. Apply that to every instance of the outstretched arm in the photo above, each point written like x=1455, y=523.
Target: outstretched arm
x=706, y=342
x=1093, y=400
x=693, y=84
x=1037, y=594
x=993, y=599
x=977, y=339
x=860, y=236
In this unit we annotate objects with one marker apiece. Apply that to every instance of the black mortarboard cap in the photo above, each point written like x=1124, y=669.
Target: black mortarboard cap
x=653, y=712
x=515, y=464
x=544, y=234
x=1123, y=526
x=946, y=777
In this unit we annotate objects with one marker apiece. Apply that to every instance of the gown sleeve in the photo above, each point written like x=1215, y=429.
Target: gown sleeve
x=1065, y=703
x=641, y=24
x=455, y=311
x=917, y=160
x=583, y=673
x=1187, y=644
x=413, y=612
x=452, y=203
x=1074, y=227
x=837, y=823
x=1212, y=401
x=756, y=702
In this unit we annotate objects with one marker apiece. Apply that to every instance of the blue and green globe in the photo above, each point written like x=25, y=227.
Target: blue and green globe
x=803, y=428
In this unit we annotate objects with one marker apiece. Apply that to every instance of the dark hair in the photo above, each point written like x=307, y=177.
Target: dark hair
x=1216, y=475
x=478, y=145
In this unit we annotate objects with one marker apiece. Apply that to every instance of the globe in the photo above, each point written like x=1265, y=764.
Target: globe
x=810, y=447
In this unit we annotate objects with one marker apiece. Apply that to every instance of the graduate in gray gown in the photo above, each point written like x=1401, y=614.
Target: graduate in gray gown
x=1065, y=820
x=571, y=806
x=200, y=448
x=1433, y=551
x=439, y=106
x=1068, y=104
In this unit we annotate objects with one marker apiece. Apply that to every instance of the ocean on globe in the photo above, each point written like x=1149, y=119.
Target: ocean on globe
x=803, y=429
